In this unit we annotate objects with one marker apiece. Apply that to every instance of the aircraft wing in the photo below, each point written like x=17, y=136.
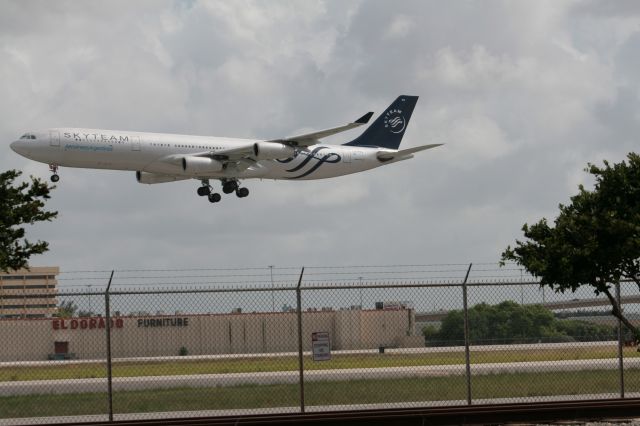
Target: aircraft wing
x=243, y=156
x=240, y=158
x=312, y=138
x=231, y=154
x=403, y=154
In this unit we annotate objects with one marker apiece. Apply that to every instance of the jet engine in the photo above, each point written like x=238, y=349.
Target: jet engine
x=272, y=151
x=149, y=178
x=200, y=165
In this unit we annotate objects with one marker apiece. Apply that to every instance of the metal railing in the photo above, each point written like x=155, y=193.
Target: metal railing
x=201, y=343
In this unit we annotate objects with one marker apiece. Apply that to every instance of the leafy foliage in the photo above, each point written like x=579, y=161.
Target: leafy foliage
x=585, y=331
x=66, y=309
x=509, y=322
x=21, y=204
x=595, y=239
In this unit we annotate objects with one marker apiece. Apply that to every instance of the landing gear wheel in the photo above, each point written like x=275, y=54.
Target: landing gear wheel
x=53, y=168
x=215, y=197
x=204, y=190
x=242, y=192
x=229, y=186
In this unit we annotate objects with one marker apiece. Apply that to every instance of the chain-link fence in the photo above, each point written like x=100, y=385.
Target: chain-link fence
x=196, y=343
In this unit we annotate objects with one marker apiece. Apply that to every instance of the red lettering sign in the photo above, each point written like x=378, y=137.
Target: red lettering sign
x=85, y=324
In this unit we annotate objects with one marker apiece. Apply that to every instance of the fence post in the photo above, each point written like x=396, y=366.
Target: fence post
x=108, y=334
x=300, y=354
x=466, y=334
x=620, y=342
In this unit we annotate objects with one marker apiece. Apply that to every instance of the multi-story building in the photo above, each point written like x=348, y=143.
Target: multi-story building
x=29, y=293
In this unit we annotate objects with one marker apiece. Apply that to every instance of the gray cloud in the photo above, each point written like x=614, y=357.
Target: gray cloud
x=524, y=95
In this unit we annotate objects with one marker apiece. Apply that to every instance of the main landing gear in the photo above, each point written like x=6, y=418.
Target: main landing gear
x=228, y=186
x=53, y=168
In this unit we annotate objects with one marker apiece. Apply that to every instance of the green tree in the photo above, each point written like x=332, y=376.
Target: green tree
x=509, y=322
x=66, y=309
x=452, y=328
x=430, y=333
x=585, y=331
x=595, y=240
x=20, y=204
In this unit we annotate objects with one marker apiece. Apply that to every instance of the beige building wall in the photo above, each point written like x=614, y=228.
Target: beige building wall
x=29, y=293
x=34, y=339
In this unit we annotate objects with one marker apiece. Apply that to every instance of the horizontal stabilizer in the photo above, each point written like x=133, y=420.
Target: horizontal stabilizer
x=385, y=156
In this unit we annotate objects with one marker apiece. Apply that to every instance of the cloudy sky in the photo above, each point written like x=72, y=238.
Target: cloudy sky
x=524, y=94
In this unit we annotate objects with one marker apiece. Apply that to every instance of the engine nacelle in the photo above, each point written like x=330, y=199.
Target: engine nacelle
x=200, y=165
x=150, y=178
x=272, y=151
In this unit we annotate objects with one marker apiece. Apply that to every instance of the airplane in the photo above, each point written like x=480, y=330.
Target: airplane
x=160, y=158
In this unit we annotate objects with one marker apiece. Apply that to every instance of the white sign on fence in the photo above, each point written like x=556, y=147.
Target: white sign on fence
x=321, y=345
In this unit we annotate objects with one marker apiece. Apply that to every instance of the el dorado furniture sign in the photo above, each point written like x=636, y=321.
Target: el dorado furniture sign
x=85, y=323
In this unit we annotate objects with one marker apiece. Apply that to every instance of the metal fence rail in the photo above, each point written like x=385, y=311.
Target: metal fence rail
x=317, y=339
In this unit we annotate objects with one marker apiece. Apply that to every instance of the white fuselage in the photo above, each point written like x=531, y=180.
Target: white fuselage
x=161, y=153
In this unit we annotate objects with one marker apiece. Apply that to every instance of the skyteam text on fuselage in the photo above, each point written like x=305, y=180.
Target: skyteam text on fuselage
x=160, y=158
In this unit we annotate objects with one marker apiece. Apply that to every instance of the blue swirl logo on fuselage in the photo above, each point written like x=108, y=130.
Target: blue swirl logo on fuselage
x=329, y=157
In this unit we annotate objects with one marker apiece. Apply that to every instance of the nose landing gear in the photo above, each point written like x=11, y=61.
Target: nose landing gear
x=53, y=168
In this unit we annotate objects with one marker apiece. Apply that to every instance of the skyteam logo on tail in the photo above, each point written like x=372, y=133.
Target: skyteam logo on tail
x=394, y=121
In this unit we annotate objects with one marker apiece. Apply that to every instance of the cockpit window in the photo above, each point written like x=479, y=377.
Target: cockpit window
x=28, y=136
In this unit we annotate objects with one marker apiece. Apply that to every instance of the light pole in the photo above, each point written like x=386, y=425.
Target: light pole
x=273, y=296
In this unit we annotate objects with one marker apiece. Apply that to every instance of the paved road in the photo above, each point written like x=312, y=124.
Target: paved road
x=420, y=350
x=279, y=377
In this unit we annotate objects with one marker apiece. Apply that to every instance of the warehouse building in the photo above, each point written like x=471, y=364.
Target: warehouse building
x=28, y=293
x=203, y=334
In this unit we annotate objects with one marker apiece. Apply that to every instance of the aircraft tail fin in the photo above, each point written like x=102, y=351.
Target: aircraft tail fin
x=387, y=130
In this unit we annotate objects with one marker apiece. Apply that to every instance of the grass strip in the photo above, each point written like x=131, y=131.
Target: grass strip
x=264, y=364
x=319, y=393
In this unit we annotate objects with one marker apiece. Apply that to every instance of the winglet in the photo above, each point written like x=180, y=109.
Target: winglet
x=365, y=118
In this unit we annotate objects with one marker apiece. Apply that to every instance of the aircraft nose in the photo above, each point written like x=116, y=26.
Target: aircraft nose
x=18, y=146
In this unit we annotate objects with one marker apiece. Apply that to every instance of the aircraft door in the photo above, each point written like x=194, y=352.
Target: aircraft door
x=135, y=143
x=346, y=156
x=54, y=138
